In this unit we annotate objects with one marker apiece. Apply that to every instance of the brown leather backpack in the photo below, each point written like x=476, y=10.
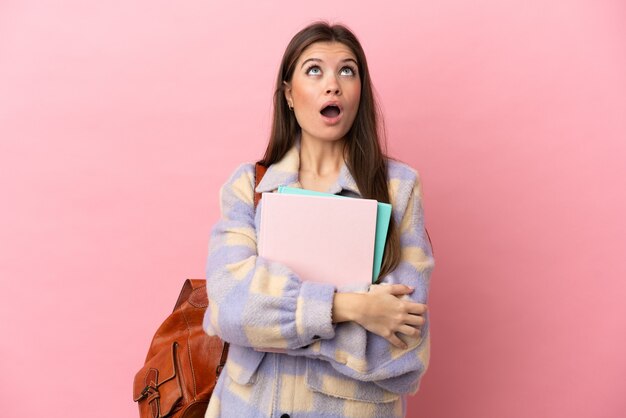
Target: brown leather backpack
x=183, y=362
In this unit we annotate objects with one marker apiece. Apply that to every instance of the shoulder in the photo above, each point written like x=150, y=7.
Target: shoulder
x=245, y=169
x=399, y=171
x=240, y=184
x=404, y=184
x=242, y=174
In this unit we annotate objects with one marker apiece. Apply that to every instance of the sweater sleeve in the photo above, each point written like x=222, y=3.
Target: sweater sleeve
x=361, y=355
x=254, y=302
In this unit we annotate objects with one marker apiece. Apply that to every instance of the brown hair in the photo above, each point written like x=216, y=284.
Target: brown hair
x=366, y=160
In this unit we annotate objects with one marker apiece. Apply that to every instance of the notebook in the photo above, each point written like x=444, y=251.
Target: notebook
x=383, y=217
x=320, y=238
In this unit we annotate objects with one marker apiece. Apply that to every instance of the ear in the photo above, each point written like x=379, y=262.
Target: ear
x=287, y=89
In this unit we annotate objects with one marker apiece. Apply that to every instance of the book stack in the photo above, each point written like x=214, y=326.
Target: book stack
x=323, y=237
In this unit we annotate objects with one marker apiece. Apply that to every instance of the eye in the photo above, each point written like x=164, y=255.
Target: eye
x=313, y=67
x=348, y=70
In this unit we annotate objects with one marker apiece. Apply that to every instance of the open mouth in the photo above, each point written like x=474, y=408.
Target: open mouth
x=330, y=111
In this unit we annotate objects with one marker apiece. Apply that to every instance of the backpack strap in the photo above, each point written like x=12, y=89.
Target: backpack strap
x=188, y=287
x=432, y=249
x=259, y=172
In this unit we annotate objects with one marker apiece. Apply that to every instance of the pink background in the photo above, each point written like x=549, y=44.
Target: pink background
x=120, y=120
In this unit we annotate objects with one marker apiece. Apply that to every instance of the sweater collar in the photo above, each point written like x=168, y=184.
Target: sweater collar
x=286, y=173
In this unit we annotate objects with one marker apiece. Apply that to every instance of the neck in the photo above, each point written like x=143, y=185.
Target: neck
x=320, y=157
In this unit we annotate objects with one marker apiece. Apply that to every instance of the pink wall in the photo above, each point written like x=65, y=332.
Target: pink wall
x=120, y=120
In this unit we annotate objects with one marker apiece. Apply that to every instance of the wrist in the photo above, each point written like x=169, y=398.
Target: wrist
x=348, y=307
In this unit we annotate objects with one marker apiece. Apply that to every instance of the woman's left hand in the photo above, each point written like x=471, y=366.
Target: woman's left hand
x=382, y=311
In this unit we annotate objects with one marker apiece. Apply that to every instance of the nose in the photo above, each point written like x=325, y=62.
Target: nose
x=332, y=86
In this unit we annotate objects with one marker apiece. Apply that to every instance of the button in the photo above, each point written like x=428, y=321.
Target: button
x=284, y=416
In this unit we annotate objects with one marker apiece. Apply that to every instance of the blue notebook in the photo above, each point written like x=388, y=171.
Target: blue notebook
x=383, y=216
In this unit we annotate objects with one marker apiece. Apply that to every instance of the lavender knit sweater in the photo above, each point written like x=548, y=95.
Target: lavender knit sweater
x=322, y=369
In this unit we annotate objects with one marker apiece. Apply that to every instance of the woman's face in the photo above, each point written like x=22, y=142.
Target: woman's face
x=325, y=90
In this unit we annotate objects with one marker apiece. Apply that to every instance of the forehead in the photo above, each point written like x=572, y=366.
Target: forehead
x=327, y=51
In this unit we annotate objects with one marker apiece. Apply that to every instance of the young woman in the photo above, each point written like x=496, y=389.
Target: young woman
x=303, y=349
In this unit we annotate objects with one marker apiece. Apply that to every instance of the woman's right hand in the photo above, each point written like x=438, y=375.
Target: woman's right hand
x=387, y=313
x=382, y=311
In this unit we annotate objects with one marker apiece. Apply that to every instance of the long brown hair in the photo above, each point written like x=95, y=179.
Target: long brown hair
x=364, y=141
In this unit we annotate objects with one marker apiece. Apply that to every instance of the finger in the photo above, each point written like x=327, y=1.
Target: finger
x=415, y=320
x=409, y=331
x=400, y=289
x=397, y=342
x=416, y=308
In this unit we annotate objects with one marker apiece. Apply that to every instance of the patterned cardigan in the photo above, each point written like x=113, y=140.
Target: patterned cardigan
x=261, y=306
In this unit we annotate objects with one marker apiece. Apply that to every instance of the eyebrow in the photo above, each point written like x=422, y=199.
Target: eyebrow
x=320, y=60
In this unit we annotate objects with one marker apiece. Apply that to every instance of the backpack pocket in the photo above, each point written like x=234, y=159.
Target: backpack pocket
x=157, y=387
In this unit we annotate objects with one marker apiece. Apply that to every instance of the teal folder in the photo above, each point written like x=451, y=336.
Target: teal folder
x=383, y=216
